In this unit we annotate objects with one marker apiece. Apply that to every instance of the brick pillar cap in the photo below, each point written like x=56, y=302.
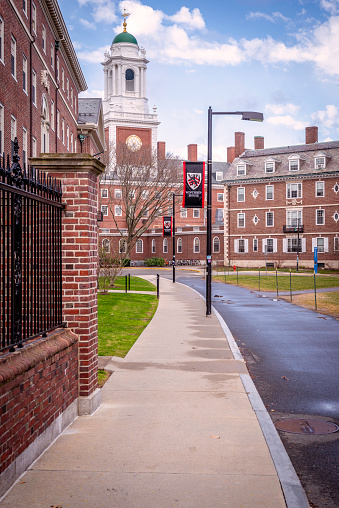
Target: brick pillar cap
x=62, y=162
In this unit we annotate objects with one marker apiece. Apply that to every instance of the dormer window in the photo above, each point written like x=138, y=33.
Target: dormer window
x=270, y=164
x=294, y=162
x=241, y=169
x=320, y=160
x=219, y=176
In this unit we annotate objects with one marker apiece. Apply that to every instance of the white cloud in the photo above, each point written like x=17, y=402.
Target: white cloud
x=273, y=18
x=198, y=111
x=287, y=121
x=95, y=56
x=192, y=19
x=88, y=24
x=102, y=10
x=328, y=118
x=92, y=94
x=281, y=109
x=332, y=6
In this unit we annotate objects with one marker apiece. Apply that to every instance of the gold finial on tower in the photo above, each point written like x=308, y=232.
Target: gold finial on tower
x=125, y=15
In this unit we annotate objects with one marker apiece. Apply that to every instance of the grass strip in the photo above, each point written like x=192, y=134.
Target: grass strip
x=136, y=283
x=327, y=303
x=121, y=319
x=268, y=282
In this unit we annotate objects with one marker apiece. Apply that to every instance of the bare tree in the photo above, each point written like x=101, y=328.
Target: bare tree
x=147, y=185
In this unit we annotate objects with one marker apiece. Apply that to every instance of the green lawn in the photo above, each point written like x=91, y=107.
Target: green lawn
x=137, y=284
x=268, y=282
x=121, y=319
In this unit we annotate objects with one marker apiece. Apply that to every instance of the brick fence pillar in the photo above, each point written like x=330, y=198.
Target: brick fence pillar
x=79, y=175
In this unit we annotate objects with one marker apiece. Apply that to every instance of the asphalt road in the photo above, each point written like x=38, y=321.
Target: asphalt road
x=292, y=355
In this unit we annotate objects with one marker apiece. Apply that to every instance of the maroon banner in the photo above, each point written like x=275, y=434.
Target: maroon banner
x=194, y=184
x=167, y=226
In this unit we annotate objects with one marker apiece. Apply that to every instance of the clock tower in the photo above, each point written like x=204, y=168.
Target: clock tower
x=126, y=115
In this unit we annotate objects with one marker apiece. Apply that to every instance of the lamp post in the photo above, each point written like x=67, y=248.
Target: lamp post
x=246, y=115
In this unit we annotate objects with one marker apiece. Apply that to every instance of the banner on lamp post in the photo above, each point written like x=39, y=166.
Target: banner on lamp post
x=194, y=184
x=167, y=226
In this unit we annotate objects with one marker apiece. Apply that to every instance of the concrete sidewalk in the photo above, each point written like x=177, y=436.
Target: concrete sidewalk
x=176, y=428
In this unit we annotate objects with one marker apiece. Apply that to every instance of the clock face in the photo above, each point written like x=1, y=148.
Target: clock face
x=133, y=143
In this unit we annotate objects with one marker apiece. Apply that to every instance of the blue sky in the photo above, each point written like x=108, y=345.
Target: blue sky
x=280, y=58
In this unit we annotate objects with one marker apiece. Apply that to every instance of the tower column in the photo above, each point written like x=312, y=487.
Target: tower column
x=114, y=80
x=119, y=79
x=106, y=84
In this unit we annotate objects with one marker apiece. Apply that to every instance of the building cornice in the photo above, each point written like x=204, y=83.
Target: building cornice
x=279, y=178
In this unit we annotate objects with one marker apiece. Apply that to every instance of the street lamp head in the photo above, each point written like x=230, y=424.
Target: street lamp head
x=254, y=116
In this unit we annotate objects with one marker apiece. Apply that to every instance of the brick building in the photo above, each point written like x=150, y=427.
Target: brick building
x=40, y=79
x=280, y=203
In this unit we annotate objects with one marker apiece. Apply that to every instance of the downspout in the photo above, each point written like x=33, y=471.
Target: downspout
x=32, y=41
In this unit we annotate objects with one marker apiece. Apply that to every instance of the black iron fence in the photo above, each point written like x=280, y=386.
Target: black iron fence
x=30, y=253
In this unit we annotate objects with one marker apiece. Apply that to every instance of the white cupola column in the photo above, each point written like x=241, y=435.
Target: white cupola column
x=114, y=91
x=119, y=79
x=106, y=84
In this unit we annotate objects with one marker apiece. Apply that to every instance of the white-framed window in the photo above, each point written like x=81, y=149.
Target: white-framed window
x=196, y=213
x=44, y=38
x=216, y=244
x=321, y=243
x=34, y=87
x=117, y=193
x=269, y=167
x=319, y=162
x=320, y=217
x=72, y=97
x=255, y=244
x=165, y=246
x=196, y=245
x=72, y=142
x=183, y=213
x=24, y=74
x=67, y=137
x=145, y=213
x=52, y=55
x=196, y=228
x=269, y=219
x=241, y=245
x=291, y=244
x=293, y=218
x=336, y=243
x=2, y=35
x=294, y=164
x=241, y=220
x=106, y=246
x=122, y=246
x=117, y=211
x=63, y=78
x=269, y=192
x=52, y=115
x=57, y=69
x=63, y=131
x=320, y=189
x=75, y=103
x=220, y=196
x=270, y=245
x=179, y=230
x=104, y=193
x=33, y=17
x=104, y=209
x=2, y=127
x=219, y=176
x=240, y=194
x=293, y=190
x=179, y=245
x=153, y=245
x=34, y=151
x=13, y=57
x=139, y=246
x=13, y=133
x=67, y=88
x=219, y=215
x=241, y=169
x=58, y=123
x=24, y=146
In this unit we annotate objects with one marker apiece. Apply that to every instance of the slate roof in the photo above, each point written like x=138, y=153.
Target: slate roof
x=89, y=110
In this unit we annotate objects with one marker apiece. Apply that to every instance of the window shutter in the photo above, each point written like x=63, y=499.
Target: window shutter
x=303, y=244
x=285, y=245
x=314, y=243
x=275, y=244
x=236, y=248
x=263, y=245
x=325, y=244
x=246, y=245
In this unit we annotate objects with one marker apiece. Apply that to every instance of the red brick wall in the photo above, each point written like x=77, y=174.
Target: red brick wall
x=37, y=384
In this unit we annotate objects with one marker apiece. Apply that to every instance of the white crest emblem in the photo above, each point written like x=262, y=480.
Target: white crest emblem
x=194, y=180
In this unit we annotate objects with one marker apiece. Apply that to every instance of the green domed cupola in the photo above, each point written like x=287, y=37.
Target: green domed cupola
x=125, y=36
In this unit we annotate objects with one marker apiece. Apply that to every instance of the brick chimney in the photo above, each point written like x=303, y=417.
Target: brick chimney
x=311, y=135
x=161, y=150
x=259, y=143
x=239, y=140
x=192, y=153
x=230, y=154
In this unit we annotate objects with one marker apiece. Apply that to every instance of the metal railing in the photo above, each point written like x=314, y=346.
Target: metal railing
x=30, y=253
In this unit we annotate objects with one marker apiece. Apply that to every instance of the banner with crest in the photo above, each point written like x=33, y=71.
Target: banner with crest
x=167, y=226
x=194, y=184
